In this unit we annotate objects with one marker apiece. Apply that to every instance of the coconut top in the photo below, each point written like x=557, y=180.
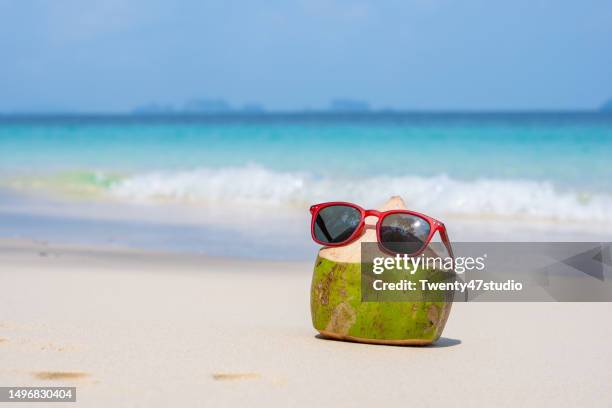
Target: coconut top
x=351, y=253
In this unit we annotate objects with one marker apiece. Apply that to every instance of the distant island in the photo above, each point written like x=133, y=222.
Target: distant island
x=349, y=105
x=607, y=106
x=218, y=106
x=198, y=106
x=153, y=109
x=207, y=106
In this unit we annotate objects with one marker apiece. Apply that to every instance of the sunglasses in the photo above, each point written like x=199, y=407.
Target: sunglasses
x=398, y=231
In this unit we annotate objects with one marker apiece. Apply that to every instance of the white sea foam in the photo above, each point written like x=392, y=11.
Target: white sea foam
x=441, y=195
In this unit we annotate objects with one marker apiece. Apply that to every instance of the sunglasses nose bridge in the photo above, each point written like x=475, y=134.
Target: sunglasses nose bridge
x=372, y=213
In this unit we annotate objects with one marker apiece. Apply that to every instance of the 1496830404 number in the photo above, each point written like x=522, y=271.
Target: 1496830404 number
x=36, y=394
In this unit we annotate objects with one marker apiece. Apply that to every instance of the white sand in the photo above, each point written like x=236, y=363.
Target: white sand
x=155, y=330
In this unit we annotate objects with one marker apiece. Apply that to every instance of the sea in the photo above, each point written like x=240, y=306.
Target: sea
x=241, y=184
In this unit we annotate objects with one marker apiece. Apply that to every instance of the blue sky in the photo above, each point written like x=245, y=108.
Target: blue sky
x=112, y=55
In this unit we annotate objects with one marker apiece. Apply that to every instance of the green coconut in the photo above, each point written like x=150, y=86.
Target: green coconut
x=337, y=309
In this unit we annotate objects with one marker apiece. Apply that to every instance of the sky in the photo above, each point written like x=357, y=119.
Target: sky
x=113, y=55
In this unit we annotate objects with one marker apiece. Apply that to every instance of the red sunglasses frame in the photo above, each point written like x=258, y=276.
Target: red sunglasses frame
x=434, y=225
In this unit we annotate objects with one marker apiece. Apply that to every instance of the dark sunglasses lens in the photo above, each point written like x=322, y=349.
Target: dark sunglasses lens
x=404, y=233
x=336, y=223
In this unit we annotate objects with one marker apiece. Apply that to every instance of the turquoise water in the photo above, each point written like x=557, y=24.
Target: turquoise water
x=546, y=165
x=565, y=148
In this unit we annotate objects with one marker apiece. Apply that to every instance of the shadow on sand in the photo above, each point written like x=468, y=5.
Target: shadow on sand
x=441, y=343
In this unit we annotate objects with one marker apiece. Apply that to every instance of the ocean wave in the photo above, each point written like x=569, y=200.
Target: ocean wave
x=257, y=186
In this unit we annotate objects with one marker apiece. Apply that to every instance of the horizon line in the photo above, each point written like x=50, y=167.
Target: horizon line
x=237, y=112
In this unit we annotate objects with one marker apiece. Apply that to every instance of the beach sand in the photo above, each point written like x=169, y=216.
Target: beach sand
x=131, y=328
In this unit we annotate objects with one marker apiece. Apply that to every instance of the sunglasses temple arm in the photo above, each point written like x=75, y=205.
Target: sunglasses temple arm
x=445, y=240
